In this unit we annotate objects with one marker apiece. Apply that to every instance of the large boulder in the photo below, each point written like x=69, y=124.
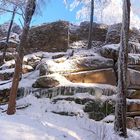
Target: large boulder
x=6, y=74
x=4, y=94
x=99, y=109
x=113, y=34
x=133, y=59
x=46, y=82
x=130, y=123
x=112, y=51
x=133, y=94
x=133, y=79
x=133, y=106
x=102, y=76
x=137, y=121
x=134, y=47
x=78, y=64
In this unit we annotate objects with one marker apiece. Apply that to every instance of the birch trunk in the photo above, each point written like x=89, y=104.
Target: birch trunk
x=120, y=109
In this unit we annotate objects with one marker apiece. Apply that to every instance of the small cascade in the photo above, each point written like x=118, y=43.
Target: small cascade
x=66, y=91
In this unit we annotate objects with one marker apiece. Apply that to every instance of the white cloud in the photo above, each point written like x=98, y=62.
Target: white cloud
x=112, y=13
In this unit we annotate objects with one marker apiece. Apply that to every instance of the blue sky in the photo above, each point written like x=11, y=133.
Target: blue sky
x=52, y=11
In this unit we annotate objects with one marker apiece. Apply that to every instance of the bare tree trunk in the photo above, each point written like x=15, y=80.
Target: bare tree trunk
x=8, y=33
x=30, y=8
x=120, y=109
x=91, y=25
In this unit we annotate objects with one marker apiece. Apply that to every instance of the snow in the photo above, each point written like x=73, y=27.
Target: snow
x=112, y=47
x=41, y=120
x=27, y=80
x=7, y=71
x=103, y=11
x=7, y=64
x=35, y=123
x=134, y=58
x=131, y=101
x=109, y=118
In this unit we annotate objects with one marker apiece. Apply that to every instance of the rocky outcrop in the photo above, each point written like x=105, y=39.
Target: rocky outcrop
x=112, y=51
x=4, y=29
x=113, y=34
x=114, y=31
x=53, y=37
x=81, y=32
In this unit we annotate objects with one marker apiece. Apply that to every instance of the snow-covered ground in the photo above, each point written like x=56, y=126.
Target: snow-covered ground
x=41, y=121
x=37, y=122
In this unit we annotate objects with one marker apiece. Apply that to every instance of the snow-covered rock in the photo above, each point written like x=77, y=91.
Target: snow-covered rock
x=48, y=81
x=114, y=32
x=130, y=123
x=79, y=64
x=110, y=51
x=133, y=94
x=133, y=79
x=137, y=121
